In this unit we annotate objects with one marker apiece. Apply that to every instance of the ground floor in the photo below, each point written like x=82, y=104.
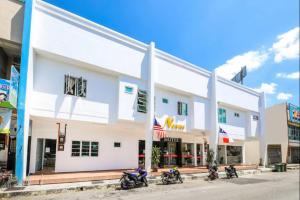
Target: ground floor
x=69, y=146
x=283, y=153
x=265, y=186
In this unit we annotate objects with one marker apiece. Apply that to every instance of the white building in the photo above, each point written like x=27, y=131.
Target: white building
x=102, y=106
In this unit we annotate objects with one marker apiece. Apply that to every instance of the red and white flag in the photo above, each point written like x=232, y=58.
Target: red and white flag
x=161, y=133
x=225, y=136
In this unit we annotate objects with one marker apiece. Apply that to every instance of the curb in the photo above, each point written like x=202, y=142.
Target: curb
x=111, y=183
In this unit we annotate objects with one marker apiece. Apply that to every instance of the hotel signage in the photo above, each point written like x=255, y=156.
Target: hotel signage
x=170, y=124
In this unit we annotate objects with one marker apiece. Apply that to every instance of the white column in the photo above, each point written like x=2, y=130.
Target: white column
x=195, y=155
x=213, y=136
x=262, y=136
x=225, y=152
x=150, y=107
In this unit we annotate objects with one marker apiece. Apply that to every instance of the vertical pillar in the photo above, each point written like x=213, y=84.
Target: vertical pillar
x=22, y=113
x=225, y=154
x=244, y=153
x=195, y=155
x=262, y=136
x=214, y=134
x=150, y=107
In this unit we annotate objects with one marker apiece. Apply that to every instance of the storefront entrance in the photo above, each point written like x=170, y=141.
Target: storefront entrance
x=45, y=155
x=274, y=154
x=230, y=154
x=294, y=155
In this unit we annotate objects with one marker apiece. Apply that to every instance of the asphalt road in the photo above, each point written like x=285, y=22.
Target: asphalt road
x=266, y=186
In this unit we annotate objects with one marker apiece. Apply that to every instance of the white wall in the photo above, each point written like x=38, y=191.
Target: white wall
x=234, y=126
x=162, y=110
x=70, y=36
x=233, y=95
x=127, y=103
x=174, y=75
x=48, y=98
x=108, y=157
x=200, y=113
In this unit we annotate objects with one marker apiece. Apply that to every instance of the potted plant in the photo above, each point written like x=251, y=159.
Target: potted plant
x=155, y=158
x=210, y=158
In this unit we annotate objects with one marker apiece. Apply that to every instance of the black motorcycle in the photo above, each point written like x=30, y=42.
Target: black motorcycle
x=213, y=172
x=171, y=176
x=231, y=172
x=132, y=180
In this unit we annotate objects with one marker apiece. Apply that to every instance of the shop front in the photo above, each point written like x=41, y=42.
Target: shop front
x=175, y=152
x=228, y=154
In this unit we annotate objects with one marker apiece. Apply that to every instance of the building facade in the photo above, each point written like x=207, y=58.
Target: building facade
x=11, y=20
x=282, y=134
x=91, y=95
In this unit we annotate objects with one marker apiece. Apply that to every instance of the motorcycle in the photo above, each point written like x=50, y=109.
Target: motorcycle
x=132, y=180
x=213, y=172
x=231, y=172
x=171, y=176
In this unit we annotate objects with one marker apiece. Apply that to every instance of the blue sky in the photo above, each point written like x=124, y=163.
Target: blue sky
x=223, y=34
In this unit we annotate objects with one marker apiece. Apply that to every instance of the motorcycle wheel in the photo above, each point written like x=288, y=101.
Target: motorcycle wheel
x=180, y=179
x=164, y=180
x=124, y=186
x=146, y=182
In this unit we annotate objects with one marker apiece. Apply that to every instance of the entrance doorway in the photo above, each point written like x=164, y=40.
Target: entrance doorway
x=45, y=155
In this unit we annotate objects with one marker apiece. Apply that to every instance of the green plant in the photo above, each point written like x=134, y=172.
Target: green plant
x=155, y=156
x=210, y=157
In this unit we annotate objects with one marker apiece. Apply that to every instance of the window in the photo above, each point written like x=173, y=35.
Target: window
x=128, y=89
x=142, y=101
x=75, y=86
x=182, y=108
x=237, y=114
x=255, y=117
x=117, y=144
x=85, y=148
x=164, y=100
x=94, y=149
x=222, y=115
x=294, y=133
x=75, y=148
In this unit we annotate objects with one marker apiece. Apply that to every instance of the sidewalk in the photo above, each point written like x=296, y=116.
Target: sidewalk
x=55, y=178
x=102, y=184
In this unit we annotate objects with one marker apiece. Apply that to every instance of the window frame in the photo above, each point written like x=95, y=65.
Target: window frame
x=182, y=108
x=222, y=115
x=142, y=101
x=72, y=153
x=117, y=146
x=80, y=85
x=128, y=89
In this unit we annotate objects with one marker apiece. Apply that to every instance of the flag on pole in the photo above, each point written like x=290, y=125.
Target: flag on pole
x=225, y=136
x=161, y=133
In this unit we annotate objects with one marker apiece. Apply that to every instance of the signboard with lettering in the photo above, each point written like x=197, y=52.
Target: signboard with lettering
x=293, y=113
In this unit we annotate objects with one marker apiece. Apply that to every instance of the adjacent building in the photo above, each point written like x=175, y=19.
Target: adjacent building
x=282, y=134
x=89, y=97
x=11, y=20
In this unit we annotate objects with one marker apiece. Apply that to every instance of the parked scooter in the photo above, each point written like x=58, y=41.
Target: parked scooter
x=171, y=176
x=213, y=172
x=231, y=172
x=132, y=180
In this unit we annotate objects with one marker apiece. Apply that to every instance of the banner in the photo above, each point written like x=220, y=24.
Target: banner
x=294, y=113
x=5, y=119
x=4, y=90
x=14, y=83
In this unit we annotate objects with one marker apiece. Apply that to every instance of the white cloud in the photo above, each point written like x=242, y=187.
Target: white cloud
x=268, y=88
x=294, y=75
x=284, y=96
x=252, y=59
x=286, y=46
